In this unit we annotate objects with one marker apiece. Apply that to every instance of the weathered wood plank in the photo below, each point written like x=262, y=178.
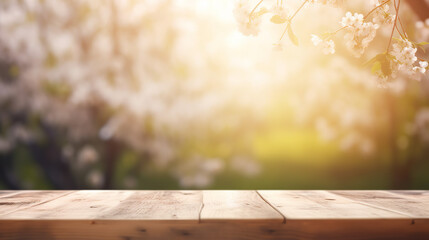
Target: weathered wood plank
x=414, y=205
x=76, y=205
x=158, y=205
x=226, y=215
x=24, y=199
x=238, y=206
x=127, y=205
x=323, y=205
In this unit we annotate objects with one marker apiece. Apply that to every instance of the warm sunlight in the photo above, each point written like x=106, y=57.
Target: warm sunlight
x=214, y=119
x=213, y=94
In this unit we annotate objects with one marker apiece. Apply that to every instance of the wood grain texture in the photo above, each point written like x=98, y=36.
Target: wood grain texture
x=155, y=215
x=158, y=205
x=237, y=205
x=323, y=205
x=77, y=205
x=13, y=202
x=414, y=204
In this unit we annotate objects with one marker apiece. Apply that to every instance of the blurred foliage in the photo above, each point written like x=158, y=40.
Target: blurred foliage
x=290, y=158
x=168, y=95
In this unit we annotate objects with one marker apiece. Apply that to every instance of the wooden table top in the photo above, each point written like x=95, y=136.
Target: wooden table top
x=264, y=214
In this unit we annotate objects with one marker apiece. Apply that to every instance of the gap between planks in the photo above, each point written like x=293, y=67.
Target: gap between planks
x=272, y=206
x=249, y=206
x=201, y=207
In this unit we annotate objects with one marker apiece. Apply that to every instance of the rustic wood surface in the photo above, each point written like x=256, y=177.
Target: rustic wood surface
x=206, y=214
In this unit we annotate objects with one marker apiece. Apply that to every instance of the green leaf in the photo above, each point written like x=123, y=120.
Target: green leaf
x=292, y=35
x=14, y=71
x=57, y=89
x=51, y=60
x=397, y=39
x=277, y=19
x=376, y=67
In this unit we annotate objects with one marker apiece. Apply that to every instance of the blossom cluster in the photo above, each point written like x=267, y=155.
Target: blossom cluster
x=423, y=65
x=359, y=33
x=405, y=55
x=328, y=46
x=404, y=59
x=382, y=14
x=359, y=30
x=247, y=24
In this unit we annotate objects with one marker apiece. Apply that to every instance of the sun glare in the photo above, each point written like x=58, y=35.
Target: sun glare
x=183, y=91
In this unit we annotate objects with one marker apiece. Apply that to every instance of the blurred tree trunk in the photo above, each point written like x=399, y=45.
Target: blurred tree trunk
x=398, y=180
x=49, y=157
x=110, y=163
x=112, y=145
x=401, y=170
x=7, y=175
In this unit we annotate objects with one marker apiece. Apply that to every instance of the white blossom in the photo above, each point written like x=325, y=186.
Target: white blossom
x=405, y=57
x=328, y=46
x=248, y=25
x=422, y=68
x=359, y=33
x=95, y=179
x=381, y=15
x=87, y=155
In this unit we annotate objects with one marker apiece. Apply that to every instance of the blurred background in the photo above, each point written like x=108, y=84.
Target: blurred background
x=130, y=94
